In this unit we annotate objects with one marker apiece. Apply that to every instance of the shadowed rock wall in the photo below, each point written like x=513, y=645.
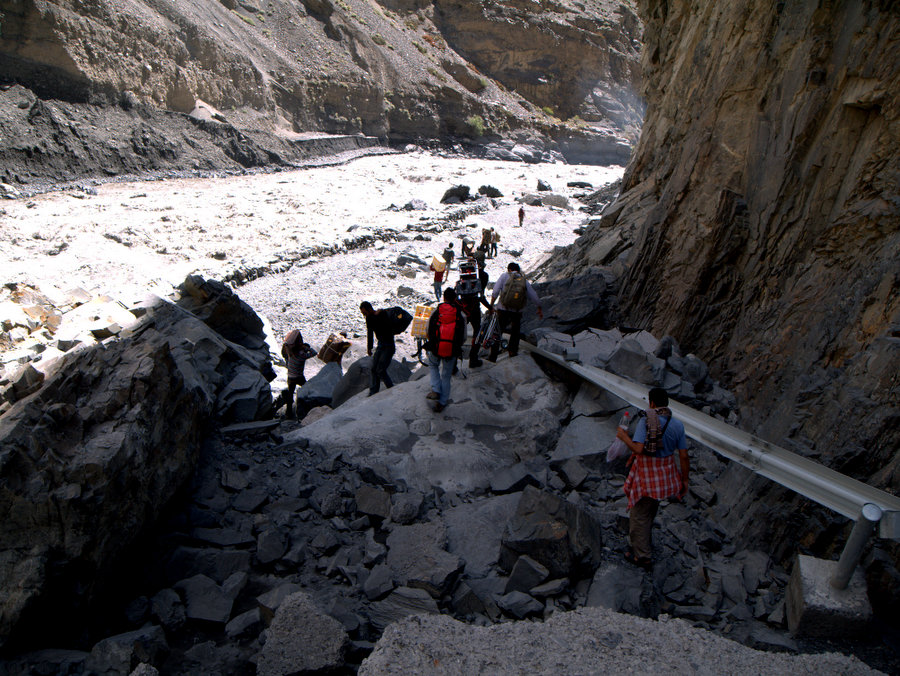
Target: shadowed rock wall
x=764, y=198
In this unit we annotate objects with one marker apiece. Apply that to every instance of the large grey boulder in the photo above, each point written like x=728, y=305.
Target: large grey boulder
x=498, y=415
x=358, y=375
x=90, y=459
x=301, y=639
x=418, y=557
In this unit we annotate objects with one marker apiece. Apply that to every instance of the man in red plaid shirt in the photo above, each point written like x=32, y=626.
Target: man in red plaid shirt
x=654, y=475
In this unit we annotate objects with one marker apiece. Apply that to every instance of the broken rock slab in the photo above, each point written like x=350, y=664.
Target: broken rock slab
x=400, y=603
x=418, y=558
x=499, y=415
x=557, y=534
x=301, y=639
x=475, y=529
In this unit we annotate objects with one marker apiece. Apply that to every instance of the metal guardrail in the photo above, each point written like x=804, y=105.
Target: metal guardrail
x=831, y=489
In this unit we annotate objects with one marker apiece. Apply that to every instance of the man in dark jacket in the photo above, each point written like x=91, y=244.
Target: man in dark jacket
x=378, y=325
x=446, y=335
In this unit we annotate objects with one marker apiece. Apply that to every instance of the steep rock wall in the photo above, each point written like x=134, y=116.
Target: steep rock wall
x=765, y=205
x=340, y=67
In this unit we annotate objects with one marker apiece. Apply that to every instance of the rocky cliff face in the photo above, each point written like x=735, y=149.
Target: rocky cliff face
x=764, y=201
x=405, y=70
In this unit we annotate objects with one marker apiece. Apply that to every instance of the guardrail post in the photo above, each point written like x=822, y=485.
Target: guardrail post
x=863, y=529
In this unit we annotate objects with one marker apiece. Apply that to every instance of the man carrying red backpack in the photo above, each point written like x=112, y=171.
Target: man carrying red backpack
x=446, y=335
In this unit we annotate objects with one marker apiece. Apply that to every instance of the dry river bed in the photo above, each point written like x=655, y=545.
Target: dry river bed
x=129, y=239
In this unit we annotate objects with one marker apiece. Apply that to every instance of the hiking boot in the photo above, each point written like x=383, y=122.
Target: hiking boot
x=432, y=395
x=438, y=407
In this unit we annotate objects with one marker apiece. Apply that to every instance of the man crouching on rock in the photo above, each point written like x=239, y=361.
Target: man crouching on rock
x=653, y=475
x=446, y=335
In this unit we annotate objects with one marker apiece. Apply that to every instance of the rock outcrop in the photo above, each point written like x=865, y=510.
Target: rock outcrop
x=764, y=208
x=106, y=436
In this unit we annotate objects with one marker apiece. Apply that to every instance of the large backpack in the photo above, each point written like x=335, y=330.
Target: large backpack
x=514, y=292
x=399, y=319
x=446, y=329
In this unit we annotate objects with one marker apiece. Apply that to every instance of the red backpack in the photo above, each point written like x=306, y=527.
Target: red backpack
x=446, y=329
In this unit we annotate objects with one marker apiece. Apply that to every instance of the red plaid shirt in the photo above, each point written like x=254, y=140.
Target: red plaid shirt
x=656, y=478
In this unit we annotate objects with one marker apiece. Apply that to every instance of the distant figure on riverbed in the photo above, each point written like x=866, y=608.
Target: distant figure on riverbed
x=521, y=215
x=495, y=240
x=448, y=255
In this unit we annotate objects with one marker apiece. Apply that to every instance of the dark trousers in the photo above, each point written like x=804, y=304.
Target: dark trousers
x=381, y=359
x=512, y=322
x=640, y=526
x=475, y=321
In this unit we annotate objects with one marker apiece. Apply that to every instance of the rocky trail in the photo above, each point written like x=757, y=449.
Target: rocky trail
x=296, y=545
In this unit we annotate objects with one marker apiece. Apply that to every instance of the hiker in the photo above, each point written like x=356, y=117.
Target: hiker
x=510, y=294
x=448, y=255
x=468, y=246
x=521, y=215
x=495, y=240
x=378, y=324
x=439, y=277
x=295, y=353
x=653, y=475
x=485, y=239
x=470, y=301
x=446, y=334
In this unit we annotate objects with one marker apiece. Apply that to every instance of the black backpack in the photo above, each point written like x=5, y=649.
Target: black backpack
x=399, y=319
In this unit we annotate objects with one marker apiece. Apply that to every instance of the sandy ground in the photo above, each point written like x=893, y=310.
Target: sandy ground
x=129, y=239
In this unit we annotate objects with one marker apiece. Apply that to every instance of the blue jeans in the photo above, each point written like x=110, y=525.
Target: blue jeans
x=441, y=370
x=437, y=290
x=381, y=360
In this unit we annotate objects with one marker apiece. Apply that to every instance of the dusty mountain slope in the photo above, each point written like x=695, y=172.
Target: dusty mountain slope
x=764, y=192
x=405, y=70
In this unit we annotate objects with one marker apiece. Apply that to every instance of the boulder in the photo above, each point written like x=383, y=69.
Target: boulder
x=520, y=605
x=498, y=415
x=455, y=195
x=418, y=557
x=631, y=360
x=118, y=655
x=108, y=441
x=475, y=529
x=557, y=534
x=301, y=639
x=358, y=379
x=318, y=390
x=400, y=603
x=489, y=191
x=617, y=587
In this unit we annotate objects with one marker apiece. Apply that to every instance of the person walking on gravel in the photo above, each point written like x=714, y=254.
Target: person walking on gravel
x=653, y=475
x=378, y=325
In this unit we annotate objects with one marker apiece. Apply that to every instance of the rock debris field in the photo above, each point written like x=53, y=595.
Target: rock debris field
x=373, y=535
